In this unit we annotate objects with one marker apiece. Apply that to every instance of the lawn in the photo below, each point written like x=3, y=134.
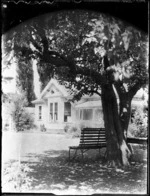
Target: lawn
x=38, y=162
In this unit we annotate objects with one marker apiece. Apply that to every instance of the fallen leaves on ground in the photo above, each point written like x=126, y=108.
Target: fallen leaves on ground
x=57, y=175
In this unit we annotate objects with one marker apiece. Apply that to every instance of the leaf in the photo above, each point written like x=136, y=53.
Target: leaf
x=126, y=36
x=116, y=29
x=120, y=170
x=90, y=23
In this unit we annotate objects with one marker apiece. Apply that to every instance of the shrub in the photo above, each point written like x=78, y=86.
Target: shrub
x=66, y=128
x=22, y=119
x=72, y=130
x=15, y=178
x=82, y=126
x=139, y=125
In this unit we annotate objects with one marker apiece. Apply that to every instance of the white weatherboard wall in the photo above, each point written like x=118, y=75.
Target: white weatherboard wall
x=59, y=124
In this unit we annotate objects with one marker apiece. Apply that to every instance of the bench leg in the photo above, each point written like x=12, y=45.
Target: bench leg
x=69, y=154
x=82, y=154
x=74, y=154
x=105, y=155
x=99, y=151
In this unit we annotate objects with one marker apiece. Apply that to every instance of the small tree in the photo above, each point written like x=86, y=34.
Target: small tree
x=22, y=119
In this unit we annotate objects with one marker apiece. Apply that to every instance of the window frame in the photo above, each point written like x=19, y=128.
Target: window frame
x=40, y=112
x=66, y=113
x=53, y=111
x=56, y=111
x=82, y=114
x=50, y=112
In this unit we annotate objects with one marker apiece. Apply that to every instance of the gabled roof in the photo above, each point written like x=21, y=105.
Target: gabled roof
x=62, y=90
x=54, y=84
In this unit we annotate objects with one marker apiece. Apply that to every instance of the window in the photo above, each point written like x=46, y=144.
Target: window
x=98, y=116
x=53, y=111
x=86, y=114
x=56, y=111
x=52, y=92
x=67, y=111
x=40, y=112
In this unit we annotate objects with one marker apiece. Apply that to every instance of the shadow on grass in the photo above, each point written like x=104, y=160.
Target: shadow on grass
x=51, y=171
x=54, y=171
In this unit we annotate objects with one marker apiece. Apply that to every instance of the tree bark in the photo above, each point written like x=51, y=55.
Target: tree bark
x=118, y=152
x=125, y=113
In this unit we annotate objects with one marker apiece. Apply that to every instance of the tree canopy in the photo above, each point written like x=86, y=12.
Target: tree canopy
x=89, y=53
x=63, y=38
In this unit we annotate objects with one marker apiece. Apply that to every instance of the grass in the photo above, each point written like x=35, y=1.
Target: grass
x=44, y=163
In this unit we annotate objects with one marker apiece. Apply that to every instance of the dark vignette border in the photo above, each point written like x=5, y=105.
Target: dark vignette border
x=15, y=12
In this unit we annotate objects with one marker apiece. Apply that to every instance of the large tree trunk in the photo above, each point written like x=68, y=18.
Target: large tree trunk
x=125, y=113
x=124, y=107
x=118, y=152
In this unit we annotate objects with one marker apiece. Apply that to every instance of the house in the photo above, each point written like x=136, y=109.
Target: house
x=54, y=110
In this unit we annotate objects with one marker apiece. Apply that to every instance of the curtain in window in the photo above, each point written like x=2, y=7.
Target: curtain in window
x=40, y=112
x=67, y=109
x=51, y=111
x=56, y=111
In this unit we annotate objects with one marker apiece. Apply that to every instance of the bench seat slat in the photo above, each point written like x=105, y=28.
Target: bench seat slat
x=93, y=138
x=91, y=143
x=94, y=141
x=88, y=128
x=92, y=132
x=88, y=146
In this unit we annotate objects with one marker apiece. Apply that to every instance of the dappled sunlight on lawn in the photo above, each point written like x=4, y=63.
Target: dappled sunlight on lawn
x=17, y=145
x=48, y=169
x=54, y=173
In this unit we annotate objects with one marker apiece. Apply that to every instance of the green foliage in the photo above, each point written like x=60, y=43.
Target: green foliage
x=22, y=118
x=84, y=56
x=25, y=79
x=139, y=125
x=72, y=130
x=73, y=51
x=15, y=178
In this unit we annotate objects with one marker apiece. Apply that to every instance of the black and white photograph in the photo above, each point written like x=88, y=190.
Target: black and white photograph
x=75, y=97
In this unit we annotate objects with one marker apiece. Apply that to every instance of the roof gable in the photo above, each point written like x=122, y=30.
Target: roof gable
x=53, y=88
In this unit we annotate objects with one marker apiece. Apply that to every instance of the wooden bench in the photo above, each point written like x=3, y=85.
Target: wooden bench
x=91, y=138
x=142, y=141
x=95, y=138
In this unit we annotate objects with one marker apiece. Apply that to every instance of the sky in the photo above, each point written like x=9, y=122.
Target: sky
x=9, y=86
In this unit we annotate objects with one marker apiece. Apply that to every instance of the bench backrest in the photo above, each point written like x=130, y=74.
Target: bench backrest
x=92, y=136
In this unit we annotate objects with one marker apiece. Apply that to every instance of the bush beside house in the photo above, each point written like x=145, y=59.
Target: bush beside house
x=139, y=123
x=15, y=110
